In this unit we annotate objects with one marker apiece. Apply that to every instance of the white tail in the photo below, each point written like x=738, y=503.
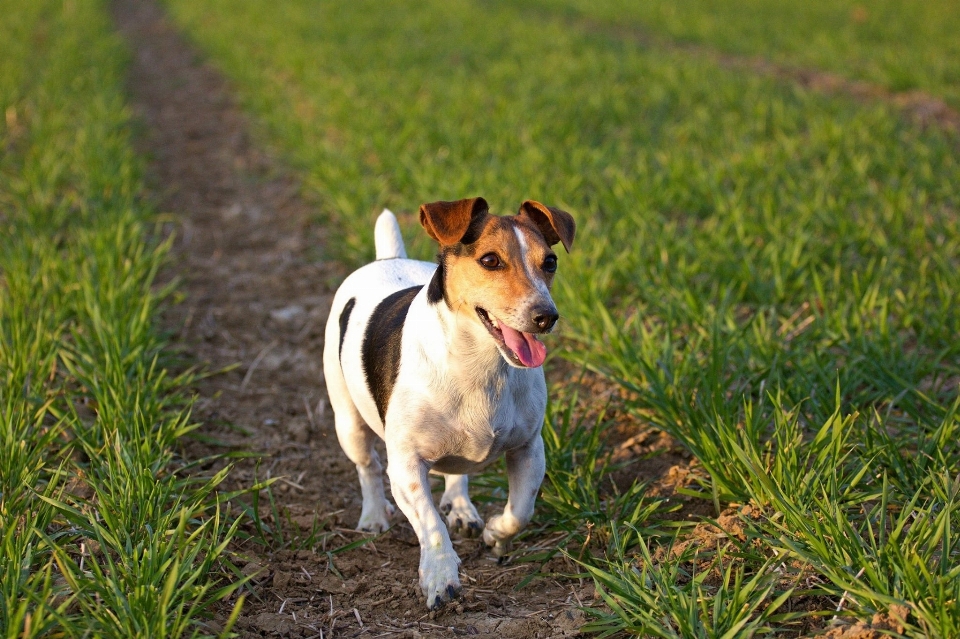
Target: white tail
x=387, y=238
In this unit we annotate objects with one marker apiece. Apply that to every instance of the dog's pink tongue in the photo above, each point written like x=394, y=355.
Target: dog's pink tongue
x=527, y=347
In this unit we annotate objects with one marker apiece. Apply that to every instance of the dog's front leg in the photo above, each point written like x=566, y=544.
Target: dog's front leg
x=439, y=577
x=525, y=469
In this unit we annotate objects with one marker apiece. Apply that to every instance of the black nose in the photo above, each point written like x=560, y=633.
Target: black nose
x=545, y=318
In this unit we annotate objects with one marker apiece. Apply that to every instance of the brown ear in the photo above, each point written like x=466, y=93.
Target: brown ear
x=448, y=222
x=556, y=225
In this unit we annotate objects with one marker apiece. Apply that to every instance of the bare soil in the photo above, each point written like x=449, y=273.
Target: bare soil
x=257, y=291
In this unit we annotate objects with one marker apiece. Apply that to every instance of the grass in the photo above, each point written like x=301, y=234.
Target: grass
x=769, y=273
x=902, y=46
x=671, y=598
x=104, y=533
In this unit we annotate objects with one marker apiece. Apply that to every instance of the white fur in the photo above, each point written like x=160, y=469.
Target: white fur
x=536, y=280
x=456, y=406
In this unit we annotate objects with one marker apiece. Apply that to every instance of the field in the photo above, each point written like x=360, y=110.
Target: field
x=771, y=273
x=104, y=532
x=899, y=46
x=766, y=274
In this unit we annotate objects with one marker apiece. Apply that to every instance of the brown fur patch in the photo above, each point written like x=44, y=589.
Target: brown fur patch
x=449, y=222
x=555, y=225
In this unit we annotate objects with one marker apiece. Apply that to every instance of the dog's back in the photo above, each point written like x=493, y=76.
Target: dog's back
x=391, y=276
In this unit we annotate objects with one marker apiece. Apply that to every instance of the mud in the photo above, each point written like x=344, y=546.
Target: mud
x=257, y=288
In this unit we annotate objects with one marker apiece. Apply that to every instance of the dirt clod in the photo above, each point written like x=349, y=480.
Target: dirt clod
x=881, y=625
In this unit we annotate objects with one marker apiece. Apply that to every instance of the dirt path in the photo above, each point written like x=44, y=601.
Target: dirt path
x=257, y=294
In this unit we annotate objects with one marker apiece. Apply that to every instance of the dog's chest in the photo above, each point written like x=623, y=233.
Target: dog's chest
x=484, y=423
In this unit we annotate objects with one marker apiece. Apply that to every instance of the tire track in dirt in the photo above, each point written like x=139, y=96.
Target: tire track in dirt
x=917, y=106
x=257, y=293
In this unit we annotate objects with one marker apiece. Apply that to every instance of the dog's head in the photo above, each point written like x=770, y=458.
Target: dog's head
x=497, y=271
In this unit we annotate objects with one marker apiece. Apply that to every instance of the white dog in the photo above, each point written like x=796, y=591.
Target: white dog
x=443, y=362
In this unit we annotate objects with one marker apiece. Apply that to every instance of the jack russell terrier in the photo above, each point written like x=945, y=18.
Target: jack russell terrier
x=443, y=362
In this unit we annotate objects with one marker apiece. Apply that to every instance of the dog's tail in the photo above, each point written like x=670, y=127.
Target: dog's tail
x=387, y=237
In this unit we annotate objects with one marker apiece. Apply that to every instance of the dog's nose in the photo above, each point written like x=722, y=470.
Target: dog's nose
x=545, y=318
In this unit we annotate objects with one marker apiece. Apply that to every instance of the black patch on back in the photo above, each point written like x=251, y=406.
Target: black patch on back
x=380, y=354
x=344, y=319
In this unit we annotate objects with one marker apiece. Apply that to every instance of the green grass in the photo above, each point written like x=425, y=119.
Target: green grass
x=896, y=44
x=673, y=599
x=771, y=273
x=103, y=533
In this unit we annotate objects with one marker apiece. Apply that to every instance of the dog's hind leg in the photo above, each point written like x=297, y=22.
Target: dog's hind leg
x=357, y=441
x=462, y=518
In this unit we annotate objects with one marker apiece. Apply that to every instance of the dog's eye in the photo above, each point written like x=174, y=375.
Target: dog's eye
x=490, y=261
x=550, y=264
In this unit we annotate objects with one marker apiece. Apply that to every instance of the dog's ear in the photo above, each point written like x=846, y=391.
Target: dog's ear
x=556, y=225
x=448, y=222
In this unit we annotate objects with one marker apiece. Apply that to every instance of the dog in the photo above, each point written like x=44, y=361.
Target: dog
x=443, y=361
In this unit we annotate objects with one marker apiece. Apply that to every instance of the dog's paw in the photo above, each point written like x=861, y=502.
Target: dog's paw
x=462, y=518
x=376, y=520
x=439, y=578
x=495, y=538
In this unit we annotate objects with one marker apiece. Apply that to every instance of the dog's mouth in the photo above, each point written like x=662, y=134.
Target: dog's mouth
x=522, y=349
